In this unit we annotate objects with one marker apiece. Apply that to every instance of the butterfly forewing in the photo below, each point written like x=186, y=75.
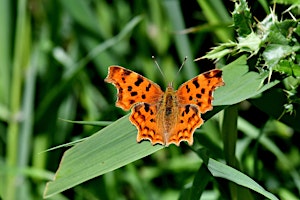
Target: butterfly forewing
x=132, y=87
x=199, y=90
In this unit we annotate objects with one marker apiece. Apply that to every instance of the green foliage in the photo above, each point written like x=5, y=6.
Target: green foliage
x=242, y=18
x=272, y=42
x=53, y=60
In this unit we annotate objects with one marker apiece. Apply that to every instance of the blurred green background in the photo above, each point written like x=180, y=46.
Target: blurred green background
x=54, y=57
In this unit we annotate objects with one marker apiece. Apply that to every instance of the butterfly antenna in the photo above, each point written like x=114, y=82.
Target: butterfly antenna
x=158, y=67
x=184, y=60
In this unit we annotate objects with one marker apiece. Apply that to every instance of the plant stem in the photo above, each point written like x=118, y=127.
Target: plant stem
x=229, y=133
x=15, y=98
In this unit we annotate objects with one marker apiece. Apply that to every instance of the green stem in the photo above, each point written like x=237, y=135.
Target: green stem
x=181, y=41
x=229, y=133
x=15, y=99
x=5, y=38
x=216, y=13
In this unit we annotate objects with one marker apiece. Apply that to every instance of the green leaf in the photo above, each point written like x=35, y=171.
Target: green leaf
x=288, y=67
x=202, y=178
x=279, y=32
x=251, y=43
x=239, y=84
x=288, y=2
x=275, y=52
x=105, y=151
x=221, y=170
x=220, y=51
x=242, y=18
x=82, y=13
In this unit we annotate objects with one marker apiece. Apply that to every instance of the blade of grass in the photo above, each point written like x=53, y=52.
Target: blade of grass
x=19, y=61
x=82, y=13
x=92, y=123
x=5, y=38
x=216, y=13
x=26, y=129
x=229, y=134
x=218, y=169
x=181, y=41
x=5, y=86
x=229, y=137
x=223, y=171
x=202, y=178
x=107, y=150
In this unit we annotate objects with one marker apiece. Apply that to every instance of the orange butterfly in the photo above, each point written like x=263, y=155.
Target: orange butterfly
x=164, y=117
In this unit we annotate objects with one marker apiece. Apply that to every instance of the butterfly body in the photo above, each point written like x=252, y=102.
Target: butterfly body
x=167, y=114
x=164, y=117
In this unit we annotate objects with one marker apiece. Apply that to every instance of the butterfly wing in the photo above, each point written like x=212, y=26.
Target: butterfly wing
x=132, y=87
x=199, y=90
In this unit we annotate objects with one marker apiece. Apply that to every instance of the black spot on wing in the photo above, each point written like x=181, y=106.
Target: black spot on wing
x=187, y=88
x=203, y=91
x=187, y=109
x=151, y=112
x=147, y=107
x=127, y=73
x=196, y=84
x=148, y=87
x=133, y=94
x=139, y=81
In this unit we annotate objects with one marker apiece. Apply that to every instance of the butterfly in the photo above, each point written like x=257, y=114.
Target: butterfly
x=164, y=117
